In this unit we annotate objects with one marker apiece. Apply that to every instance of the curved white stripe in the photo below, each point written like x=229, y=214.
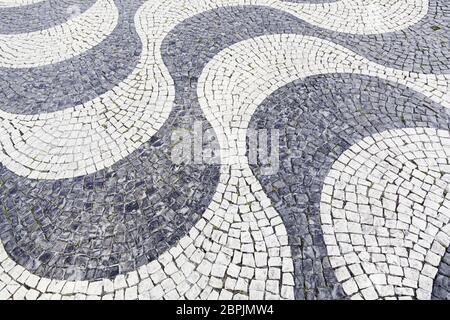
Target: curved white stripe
x=385, y=212
x=361, y=16
x=237, y=80
x=60, y=42
x=17, y=3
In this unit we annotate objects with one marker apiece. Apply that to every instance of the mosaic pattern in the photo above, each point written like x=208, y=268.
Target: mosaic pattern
x=355, y=95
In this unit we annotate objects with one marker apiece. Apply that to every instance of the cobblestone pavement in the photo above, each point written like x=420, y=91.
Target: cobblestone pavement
x=224, y=149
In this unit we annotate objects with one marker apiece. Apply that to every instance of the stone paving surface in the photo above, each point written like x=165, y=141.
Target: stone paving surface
x=316, y=164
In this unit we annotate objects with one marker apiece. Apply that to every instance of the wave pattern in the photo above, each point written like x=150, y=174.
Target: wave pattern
x=61, y=42
x=95, y=206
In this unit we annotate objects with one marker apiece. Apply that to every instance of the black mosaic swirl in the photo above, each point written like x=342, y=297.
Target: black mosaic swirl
x=79, y=79
x=318, y=119
x=40, y=16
